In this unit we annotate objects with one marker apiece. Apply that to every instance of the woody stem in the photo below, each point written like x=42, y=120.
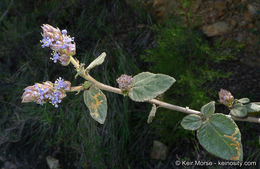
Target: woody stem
x=152, y=101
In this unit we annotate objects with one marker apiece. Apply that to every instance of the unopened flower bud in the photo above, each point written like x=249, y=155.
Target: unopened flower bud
x=124, y=82
x=71, y=49
x=28, y=95
x=64, y=60
x=49, y=31
x=225, y=97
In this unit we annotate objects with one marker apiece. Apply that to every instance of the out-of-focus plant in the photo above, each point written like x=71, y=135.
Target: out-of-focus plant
x=216, y=132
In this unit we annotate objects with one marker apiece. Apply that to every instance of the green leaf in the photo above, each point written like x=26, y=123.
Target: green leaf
x=208, y=109
x=191, y=122
x=221, y=137
x=239, y=110
x=152, y=114
x=243, y=100
x=147, y=86
x=98, y=61
x=252, y=107
x=96, y=102
x=87, y=84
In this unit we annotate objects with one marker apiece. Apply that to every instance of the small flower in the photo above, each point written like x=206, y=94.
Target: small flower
x=61, y=84
x=56, y=97
x=124, y=82
x=46, y=42
x=46, y=92
x=55, y=56
x=64, y=31
x=225, y=97
x=63, y=45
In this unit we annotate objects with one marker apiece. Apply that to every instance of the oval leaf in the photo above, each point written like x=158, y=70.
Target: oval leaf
x=239, y=110
x=96, y=102
x=244, y=100
x=208, y=109
x=147, y=86
x=191, y=122
x=98, y=61
x=252, y=107
x=221, y=137
x=152, y=114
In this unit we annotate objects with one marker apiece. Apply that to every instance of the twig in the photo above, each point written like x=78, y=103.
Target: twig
x=153, y=101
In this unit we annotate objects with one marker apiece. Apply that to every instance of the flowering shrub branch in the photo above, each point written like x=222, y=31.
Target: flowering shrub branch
x=216, y=132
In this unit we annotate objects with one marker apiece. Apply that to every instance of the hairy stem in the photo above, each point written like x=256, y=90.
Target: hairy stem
x=77, y=88
x=153, y=101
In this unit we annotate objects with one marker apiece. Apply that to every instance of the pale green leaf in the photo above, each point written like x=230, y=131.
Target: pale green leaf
x=208, y=109
x=98, y=61
x=239, y=110
x=221, y=137
x=147, y=86
x=96, y=102
x=243, y=100
x=191, y=122
x=252, y=107
x=152, y=114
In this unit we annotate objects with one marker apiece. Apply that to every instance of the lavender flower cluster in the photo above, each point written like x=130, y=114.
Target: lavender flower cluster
x=46, y=92
x=124, y=82
x=63, y=45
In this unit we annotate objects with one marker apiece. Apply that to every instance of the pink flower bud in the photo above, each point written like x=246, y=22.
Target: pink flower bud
x=49, y=31
x=28, y=95
x=71, y=49
x=48, y=84
x=64, y=60
x=225, y=97
x=124, y=82
x=67, y=86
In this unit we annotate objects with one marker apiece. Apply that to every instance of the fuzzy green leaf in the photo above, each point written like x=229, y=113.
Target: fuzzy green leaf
x=191, y=122
x=96, y=102
x=243, y=100
x=152, y=114
x=252, y=107
x=239, y=110
x=98, y=61
x=221, y=137
x=208, y=109
x=147, y=86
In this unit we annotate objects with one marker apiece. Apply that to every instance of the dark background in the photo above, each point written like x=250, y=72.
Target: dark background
x=136, y=36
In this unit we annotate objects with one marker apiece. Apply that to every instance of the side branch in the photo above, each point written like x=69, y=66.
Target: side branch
x=153, y=101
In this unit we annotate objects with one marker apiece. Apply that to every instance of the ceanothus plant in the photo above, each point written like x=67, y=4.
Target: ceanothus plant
x=216, y=132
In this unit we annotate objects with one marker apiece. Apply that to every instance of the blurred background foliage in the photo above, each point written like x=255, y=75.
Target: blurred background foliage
x=134, y=42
